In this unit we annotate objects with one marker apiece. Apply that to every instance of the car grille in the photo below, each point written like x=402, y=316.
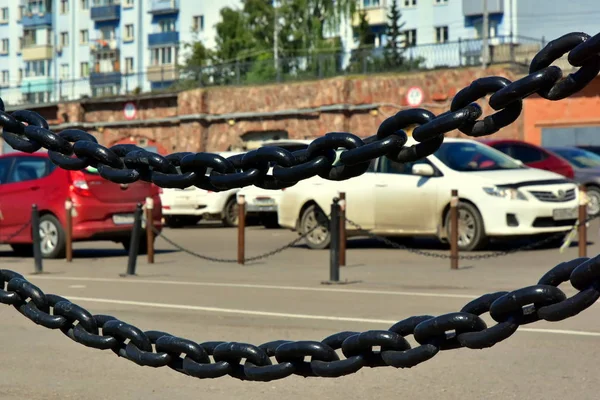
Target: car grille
x=553, y=197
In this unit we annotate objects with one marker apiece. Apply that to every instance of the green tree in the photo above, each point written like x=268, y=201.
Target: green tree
x=394, y=53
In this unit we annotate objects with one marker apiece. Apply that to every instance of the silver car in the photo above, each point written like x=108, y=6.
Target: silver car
x=586, y=166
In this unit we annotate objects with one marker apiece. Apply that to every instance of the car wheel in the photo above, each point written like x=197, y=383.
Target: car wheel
x=269, y=221
x=52, y=237
x=230, y=212
x=471, y=233
x=313, y=217
x=593, y=207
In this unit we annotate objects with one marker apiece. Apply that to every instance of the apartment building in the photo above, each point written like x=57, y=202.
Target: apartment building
x=458, y=25
x=53, y=50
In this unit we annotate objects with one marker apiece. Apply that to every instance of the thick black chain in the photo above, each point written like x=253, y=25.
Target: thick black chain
x=281, y=358
x=74, y=149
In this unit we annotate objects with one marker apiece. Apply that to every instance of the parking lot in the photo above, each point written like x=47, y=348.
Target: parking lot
x=282, y=297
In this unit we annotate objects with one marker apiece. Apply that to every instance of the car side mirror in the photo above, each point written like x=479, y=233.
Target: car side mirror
x=423, y=170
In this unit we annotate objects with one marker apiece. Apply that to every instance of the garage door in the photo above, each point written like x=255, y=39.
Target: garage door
x=571, y=136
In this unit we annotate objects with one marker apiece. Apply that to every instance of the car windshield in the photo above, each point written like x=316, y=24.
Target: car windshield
x=578, y=157
x=471, y=156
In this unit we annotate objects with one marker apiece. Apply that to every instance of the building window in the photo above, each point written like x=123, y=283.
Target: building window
x=5, y=77
x=128, y=32
x=107, y=33
x=84, y=36
x=20, y=44
x=162, y=56
x=128, y=65
x=37, y=68
x=410, y=3
x=441, y=1
x=84, y=69
x=64, y=71
x=410, y=38
x=441, y=34
x=198, y=23
x=64, y=6
x=167, y=25
x=129, y=3
x=106, y=62
x=20, y=74
x=21, y=12
x=371, y=3
x=85, y=4
x=64, y=39
x=4, y=46
x=4, y=15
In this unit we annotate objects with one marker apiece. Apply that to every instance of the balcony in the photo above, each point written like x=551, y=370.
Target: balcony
x=162, y=73
x=37, y=84
x=105, y=79
x=475, y=7
x=163, y=39
x=100, y=45
x=375, y=16
x=37, y=52
x=158, y=7
x=106, y=13
x=36, y=19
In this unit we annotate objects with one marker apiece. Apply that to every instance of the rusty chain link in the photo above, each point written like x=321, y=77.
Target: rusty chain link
x=73, y=149
x=279, y=359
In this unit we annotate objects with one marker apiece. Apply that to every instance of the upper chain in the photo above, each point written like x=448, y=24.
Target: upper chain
x=74, y=149
x=462, y=329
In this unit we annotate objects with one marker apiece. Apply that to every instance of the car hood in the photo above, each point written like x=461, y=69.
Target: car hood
x=518, y=177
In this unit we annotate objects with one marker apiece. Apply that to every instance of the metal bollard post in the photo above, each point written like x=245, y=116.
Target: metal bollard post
x=135, y=240
x=334, y=247
x=241, y=200
x=454, y=230
x=342, y=204
x=69, y=229
x=582, y=221
x=35, y=233
x=149, y=229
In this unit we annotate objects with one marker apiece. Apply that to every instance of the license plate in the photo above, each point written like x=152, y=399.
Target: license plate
x=265, y=202
x=561, y=214
x=123, y=219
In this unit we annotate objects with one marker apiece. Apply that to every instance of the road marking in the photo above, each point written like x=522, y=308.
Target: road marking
x=292, y=316
x=253, y=286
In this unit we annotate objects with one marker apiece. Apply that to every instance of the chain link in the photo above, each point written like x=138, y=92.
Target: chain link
x=279, y=359
x=74, y=149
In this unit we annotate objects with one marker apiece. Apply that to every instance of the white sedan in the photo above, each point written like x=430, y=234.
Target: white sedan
x=499, y=197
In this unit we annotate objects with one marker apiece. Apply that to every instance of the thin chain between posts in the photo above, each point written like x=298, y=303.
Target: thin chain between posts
x=15, y=234
x=495, y=254
x=232, y=260
x=279, y=359
x=74, y=149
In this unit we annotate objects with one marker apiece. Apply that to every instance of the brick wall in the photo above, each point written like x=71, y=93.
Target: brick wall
x=213, y=119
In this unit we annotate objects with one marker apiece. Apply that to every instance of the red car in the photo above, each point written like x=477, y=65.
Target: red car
x=102, y=210
x=532, y=155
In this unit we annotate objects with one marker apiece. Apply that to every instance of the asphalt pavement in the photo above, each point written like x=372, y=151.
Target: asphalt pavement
x=282, y=297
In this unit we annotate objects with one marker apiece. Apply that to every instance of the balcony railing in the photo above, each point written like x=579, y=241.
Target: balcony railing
x=163, y=6
x=31, y=19
x=37, y=84
x=103, y=45
x=32, y=52
x=475, y=7
x=162, y=73
x=106, y=13
x=163, y=38
x=105, y=78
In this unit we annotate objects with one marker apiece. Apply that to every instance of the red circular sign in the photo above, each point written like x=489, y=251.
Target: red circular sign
x=129, y=110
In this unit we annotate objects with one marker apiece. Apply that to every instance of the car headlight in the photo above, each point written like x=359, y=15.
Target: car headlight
x=512, y=194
